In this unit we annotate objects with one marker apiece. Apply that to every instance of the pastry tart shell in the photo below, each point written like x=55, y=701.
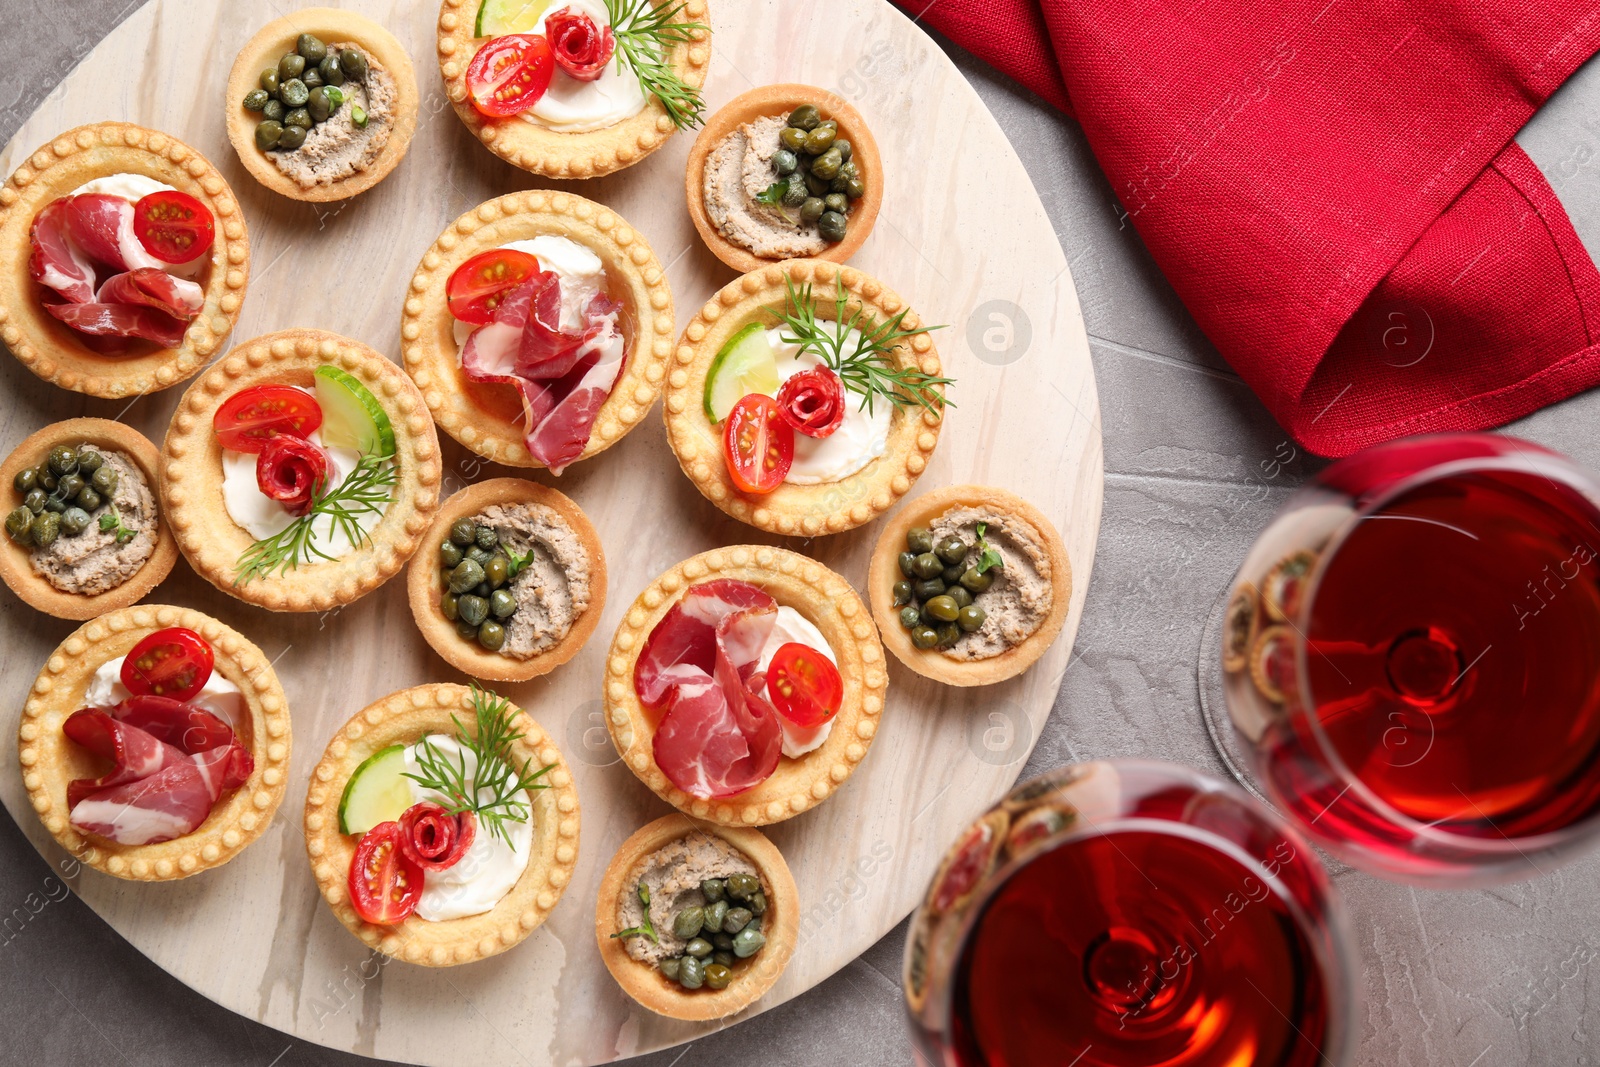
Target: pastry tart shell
x=404, y=718
x=332, y=26
x=192, y=473
x=423, y=587
x=643, y=982
x=552, y=153
x=817, y=593
x=487, y=418
x=15, y=560
x=54, y=351
x=759, y=103
x=884, y=571
x=50, y=760
x=797, y=510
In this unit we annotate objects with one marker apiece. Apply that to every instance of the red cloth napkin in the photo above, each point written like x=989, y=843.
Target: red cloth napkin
x=1333, y=190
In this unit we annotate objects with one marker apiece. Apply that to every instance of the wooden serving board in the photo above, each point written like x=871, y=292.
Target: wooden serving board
x=963, y=237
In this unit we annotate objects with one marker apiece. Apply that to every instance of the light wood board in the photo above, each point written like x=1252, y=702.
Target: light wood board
x=963, y=237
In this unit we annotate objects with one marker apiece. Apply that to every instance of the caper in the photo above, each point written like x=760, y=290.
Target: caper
x=74, y=521
x=902, y=593
x=713, y=889
x=270, y=81
x=464, y=532
x=716, y=911
x=90, y=460
x=466, y=631
x=25, y=480
x=312, y=79
x=928, y=588
x=821, y=140
x=688, y=922
x=63, y=461
x=317, y=105
x=758, y=904
x=290, y=67
x=353, y=63
x=942, y=608
x=54, y=503
x=480, y=556
x=472, y=608
x=268, y=134
x=833, y=226
x=741, y=885
x=46, y=528
x=718, y=976
x=832, y=124
x=724, y=958
x=104, y=480
x=812, y=209
x=924, y=637
x=910, y=616
x=468, y=573
x=256, y=100
x=747, y=943
x=927, y=565
x=837, y=202
x=670, y=967
x=492, y=635
x=332, y=73
x=358, y=115
x=825, y=166
x=89, y=498
x=846, y=149
x=795, y=193
x=275, y=111
x=785, y=162
x=805, y=117
x=485, y=537
x=70, y=486
x=949, y=634
x=908, y=564
x=971, y=618
x=483, y=589
x=450, y=607
x=736, y=919
x=19, y=524
x=299, y=119
x=47, y=481
x=293, y=137
x=977, y=582
x=952, y=574
x=692, y=973
x=959, y=594
x=311, y=48
x=815, y=185
x=450, y=555
x=294, y=93
x=722, y=942
x=952, y=550
x=698, y=947
x=502, y=605
x=793, y=140
x=35, y=500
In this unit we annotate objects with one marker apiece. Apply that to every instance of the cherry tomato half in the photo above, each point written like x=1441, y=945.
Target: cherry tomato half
x=804, y=685
x=250, y=418
x=384, y=885
x=510, y=74
x=174, y=227
x=758, y=444
x=172, y=663
x=479, y=284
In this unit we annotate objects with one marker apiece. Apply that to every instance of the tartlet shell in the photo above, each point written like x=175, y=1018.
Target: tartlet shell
x=50, y=349
x=824, y=598
x=796, y=510
x=565, y=155
x=191, y=473
x=15, y=565
x=884, y=571
x=49, y=760
x=488, y=418
x=332, y=26
x=405, y=717
x=776, y=100
x=648, y=986
x=422, y=583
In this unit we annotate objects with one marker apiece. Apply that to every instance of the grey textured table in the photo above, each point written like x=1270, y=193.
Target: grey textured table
x=1194, y=468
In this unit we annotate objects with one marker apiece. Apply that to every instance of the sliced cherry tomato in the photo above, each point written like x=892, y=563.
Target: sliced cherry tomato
x=434, y=839
x=757, y=444
x=174, y=227
x=510, y=74
x=250, y=418
x=172, y=663
x=804, y=685
x=292, y=471
x=384, y=885
x=479, y=284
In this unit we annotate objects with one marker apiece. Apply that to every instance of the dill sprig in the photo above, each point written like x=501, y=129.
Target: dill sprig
x=646, y=35
x=490, y=792
x=867, y=366
x=367, y=491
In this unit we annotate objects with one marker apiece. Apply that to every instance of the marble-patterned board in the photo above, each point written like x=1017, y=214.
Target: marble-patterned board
x=963, y=237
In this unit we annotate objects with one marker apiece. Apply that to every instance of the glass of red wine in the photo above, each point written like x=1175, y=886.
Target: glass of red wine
x=1130, y=913
x=1409, y=660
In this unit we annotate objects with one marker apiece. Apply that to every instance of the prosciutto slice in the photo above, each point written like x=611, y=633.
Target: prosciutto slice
x=135, y=753
x=95, y=222
x=148, y=287
x=185, y=726
x=56, y=262
x=683, y=646
x=121, y=320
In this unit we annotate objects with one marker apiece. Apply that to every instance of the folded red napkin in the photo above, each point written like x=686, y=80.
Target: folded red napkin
x=1332, y=188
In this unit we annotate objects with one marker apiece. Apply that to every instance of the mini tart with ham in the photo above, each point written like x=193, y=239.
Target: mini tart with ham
x=798, y=510
x=332, y=27
x=554, y=153
x=425, y=588
x=50, y=760
x=404, y=718
x=192, y=473
x=1045, y=558
x=56, y=352
x=15, y=560
x=643, y=981
x=488, y=417
x=826, y=601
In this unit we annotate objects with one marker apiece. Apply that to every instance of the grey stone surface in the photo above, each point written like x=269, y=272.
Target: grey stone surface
x=1195, y=468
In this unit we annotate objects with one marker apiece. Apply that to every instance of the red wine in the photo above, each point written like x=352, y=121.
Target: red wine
x=1136, y=948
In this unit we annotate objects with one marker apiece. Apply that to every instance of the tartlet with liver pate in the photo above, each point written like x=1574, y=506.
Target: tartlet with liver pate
x=696, y=922
x=84, y=534
x=322, y=104
x=969, y=585
x=510, y=582
x=127, y=261
x=745, y=685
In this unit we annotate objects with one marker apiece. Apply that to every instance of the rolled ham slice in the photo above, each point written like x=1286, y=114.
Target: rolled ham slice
x=56, y=262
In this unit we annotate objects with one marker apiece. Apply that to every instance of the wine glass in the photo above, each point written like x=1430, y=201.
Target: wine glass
x=1129, y=913
x=1409, y=660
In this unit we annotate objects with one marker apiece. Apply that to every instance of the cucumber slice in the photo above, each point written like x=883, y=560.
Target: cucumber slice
x=377, y=793
x=496, y=17
x=351, y=415
x=745, y=365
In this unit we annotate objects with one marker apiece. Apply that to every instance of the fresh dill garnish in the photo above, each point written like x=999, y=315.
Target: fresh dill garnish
x=988, y=558
x=868, y=368
x=492, y=790
x=646, y=928
x=367, y=491
x=646, y=35
x=111, y=523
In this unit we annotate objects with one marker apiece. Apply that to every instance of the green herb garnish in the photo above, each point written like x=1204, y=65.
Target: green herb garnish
x=518, y=563
x=989, y=558
x=773, y=194
x=111, y=523
x=491, y=792
x=645, y=34
x=646, y=928
x=869, y=367
x=367, y=491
